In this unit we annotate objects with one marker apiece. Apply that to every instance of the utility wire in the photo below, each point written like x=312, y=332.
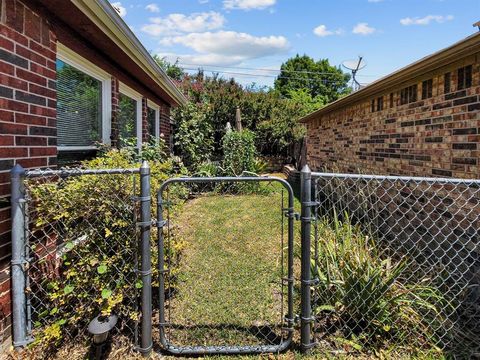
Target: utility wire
x=325, y=81
x=184, y=65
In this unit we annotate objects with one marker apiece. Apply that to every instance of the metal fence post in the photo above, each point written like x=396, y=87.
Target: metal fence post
x=19, y=296
x=306, y=213
x=146, y=270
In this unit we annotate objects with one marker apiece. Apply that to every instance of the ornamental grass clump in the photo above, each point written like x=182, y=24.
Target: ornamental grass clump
x=366, y=299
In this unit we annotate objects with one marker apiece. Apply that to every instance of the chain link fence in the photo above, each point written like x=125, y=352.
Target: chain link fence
x=224, y=287
x=395, y=264
x=80, y=259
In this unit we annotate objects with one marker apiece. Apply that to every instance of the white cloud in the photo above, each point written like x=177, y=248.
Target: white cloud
x=363, y=29
x=152, y=8
x=228, y=47
x=202, y=59
x=120, y=9
x=175, y=24
x=322, y=31
x=425, y=20
x=247, y=4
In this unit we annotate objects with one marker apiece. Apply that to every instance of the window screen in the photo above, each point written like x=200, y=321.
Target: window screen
x=464, y=77
x=446, y=83
x=151, y=118
x=127, y=118
x=427, y=89
x=79, y=107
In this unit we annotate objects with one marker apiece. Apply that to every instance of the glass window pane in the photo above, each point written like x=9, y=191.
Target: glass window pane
x=151, y=122
x=127, y=117
x=79, y=107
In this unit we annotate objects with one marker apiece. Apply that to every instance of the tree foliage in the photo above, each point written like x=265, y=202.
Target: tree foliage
x=271, y=114
x=324, y=82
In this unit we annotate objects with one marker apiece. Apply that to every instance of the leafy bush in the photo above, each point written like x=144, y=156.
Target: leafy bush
x=363, y=298
x=91, y=220
x=239, y=152
x=193, y=135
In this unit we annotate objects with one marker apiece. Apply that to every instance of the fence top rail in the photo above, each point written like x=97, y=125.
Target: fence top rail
x=36, y=173
x=397, y=178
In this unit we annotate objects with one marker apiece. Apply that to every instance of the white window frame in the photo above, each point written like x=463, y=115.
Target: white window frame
x=156, y=108
x=128, y=91
x=70, y=57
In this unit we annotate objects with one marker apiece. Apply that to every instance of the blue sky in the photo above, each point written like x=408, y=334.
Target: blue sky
x=241, y=35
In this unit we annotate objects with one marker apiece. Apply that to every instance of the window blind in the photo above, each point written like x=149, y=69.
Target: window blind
x=79, y=107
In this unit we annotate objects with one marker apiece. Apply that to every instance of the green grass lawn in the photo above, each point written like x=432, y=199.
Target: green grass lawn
x=229, y=289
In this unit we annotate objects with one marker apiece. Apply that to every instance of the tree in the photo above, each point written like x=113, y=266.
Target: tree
x=318, y=78
x=173, y=70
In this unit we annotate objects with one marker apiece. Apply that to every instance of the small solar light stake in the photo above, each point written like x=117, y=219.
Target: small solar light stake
x=100, y=327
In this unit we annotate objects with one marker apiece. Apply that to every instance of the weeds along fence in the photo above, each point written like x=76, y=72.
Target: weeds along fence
x=394, y=262
x=80, y=249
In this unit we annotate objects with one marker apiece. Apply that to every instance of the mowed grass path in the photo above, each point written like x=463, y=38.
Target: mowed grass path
x=228, y=287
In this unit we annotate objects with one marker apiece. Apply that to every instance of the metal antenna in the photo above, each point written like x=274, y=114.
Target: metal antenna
x=354, y=66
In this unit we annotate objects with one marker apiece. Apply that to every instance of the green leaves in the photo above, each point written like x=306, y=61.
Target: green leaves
x=68, y=289
x=102, y=269
x=106, y=293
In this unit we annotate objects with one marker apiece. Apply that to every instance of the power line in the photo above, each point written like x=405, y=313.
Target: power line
x=325, y=81
x=263, y=69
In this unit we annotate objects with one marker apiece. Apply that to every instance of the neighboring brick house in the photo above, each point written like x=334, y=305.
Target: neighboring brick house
x=423, y=120
x=72, y=74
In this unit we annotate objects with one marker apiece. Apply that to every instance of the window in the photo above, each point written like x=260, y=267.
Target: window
x=83, y=103
x=408, y=95
x=427, y=89
x=153, y=118
x=446, y=82
x=372, y=106
x=380, y=103
x=464, y=77
x=130, y=115
x=391, y=100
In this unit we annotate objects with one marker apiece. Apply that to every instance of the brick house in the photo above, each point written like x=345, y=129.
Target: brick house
x=72, y=74
x=422, y=120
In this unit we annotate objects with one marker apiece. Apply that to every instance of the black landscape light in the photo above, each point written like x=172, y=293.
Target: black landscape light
x=100, y=327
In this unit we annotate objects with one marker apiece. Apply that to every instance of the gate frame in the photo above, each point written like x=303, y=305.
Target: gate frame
x=225, y=349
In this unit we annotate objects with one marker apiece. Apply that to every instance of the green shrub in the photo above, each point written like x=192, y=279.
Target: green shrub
x=363, y=298
x=239, y=154
x=91, y=220
x=193, y=135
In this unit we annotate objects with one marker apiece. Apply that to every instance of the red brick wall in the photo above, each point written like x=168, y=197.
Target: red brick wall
x=27, y=115
x=165, y=126
x=438, y=136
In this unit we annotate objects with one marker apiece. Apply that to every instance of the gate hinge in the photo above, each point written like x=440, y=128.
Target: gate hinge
x=312, y=282
x=311, y=203
x=161, y=224
x=293, y=215
x=141, y=198
x=292, y=321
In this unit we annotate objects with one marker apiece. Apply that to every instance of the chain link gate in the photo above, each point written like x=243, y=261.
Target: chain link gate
x=390, y=263
x=222, y=329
